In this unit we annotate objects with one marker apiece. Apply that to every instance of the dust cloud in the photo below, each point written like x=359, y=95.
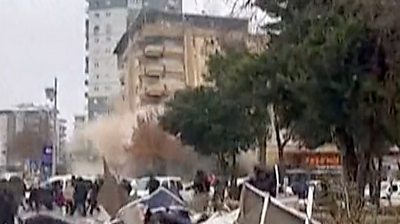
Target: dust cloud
x=134, y=145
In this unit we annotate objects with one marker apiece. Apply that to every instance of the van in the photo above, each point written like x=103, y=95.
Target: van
x=139, y=186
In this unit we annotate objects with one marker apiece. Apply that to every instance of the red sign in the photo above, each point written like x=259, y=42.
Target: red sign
x=323, y=160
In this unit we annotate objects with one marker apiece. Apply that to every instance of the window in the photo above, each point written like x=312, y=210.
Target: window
x=97, y=15
x=97, y=76
x=394, y=188
x=96, y=88
x=108, y=14
x=109, y=39
x=97, y=40
x=107, y=88
x=96, y=64
x=108, y=28
x=96, y=30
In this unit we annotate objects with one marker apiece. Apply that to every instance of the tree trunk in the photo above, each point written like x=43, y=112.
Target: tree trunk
x=374, y=178
x=262, y=140
x=222, y=163
x=345, y=144
x=350, y=165
x=362, y=172
x=280, y=145
x=234, y=170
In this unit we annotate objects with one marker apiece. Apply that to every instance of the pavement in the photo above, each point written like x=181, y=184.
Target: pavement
x=58, y=214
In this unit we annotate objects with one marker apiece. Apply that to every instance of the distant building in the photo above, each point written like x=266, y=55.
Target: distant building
x=79, y=122
x=165, y=52
x=24, y=131
x=107, y=22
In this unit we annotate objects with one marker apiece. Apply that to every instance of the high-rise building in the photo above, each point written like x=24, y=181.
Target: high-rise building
x=107, y=22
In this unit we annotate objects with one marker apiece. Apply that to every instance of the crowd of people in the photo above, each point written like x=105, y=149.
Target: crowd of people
x=78, y=195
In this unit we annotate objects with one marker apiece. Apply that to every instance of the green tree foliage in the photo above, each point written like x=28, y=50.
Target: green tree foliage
x=212, y=124
x=229, y=74
x=337, y=60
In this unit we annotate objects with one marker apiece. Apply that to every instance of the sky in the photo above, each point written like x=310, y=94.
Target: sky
x=41, y=39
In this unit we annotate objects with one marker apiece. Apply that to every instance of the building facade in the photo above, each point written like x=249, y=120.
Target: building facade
x=107, y=22
x=24, y=132
x=164, y=52
x=79, y=122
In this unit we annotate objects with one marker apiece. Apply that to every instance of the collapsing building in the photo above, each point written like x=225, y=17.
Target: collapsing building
x=164, y=52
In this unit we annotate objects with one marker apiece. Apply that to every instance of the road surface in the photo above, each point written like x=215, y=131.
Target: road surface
x=57, y=214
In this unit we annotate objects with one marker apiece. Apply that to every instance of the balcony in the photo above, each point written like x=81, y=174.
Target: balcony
x=153, y=51
x=173, y=50
x=154, y=70
x=122, y=80
x=174, y=67
x=157, y=90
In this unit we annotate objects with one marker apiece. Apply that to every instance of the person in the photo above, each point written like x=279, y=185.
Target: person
x=201, y=183
x=93, y=194
x=124, y=183
x=153, y=184
x=34, y=197
x=58, y=195
x=264, y=181
x=80, y=195
x=69, y=197
x=7, y=207
x=18, y=188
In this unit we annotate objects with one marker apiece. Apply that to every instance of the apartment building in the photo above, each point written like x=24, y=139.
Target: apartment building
x=24, y=131
x=107, y=22
x=164, y=52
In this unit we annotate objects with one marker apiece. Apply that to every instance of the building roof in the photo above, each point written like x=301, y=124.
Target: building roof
x=107, y=4
x=150, y=16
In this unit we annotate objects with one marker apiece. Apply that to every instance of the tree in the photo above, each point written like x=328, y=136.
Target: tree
x=336, y=63
x=154, y=149
x=27, y=144
x=228, y=72
x=213, y=125
x=339, y=70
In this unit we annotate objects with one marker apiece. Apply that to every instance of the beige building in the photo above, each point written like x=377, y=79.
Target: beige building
x=162, y=53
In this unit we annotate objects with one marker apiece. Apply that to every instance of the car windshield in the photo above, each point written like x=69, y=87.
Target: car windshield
x=141, y=184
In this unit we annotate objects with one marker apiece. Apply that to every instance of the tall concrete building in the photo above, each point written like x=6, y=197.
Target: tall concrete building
x=164, y=52
x=107, y=22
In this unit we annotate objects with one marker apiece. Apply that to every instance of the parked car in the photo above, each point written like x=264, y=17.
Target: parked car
x=139, y=186
x=63, y=180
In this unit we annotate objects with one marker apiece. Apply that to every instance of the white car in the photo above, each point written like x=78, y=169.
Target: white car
x=63, y=180
x=139, y=186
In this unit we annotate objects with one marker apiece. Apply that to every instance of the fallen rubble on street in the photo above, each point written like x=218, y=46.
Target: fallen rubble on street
x=163, y=206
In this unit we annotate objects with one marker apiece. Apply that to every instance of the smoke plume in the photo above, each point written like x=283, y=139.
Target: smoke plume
x=134, y=145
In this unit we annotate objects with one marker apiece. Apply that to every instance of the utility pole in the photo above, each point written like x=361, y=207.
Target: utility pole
x=51, y=95
x=55, y=138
